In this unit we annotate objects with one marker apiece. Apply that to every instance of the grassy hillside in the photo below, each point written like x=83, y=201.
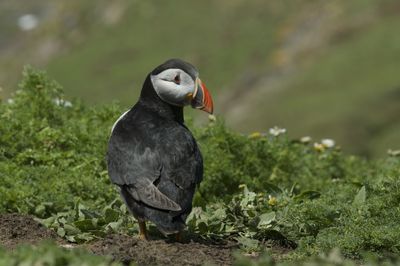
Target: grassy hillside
x=262, y=191
x=320, y=68
x=350, y=92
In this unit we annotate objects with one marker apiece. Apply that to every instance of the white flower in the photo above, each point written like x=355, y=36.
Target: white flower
x=212, y=118
x=276, y=131
x=305, y=139
x=68, y=246
x=393, y=153
x=10, y=101
x=27, y=22
x=62, y=102
x=328, y=143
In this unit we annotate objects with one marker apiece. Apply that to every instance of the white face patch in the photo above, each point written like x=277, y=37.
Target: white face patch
x=174, y=86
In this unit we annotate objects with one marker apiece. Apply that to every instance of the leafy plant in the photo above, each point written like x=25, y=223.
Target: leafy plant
x=331, y=258
x=81, y=224
x=50, y=254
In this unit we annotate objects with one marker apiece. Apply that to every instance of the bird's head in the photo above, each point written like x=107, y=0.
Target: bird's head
x=177, y=83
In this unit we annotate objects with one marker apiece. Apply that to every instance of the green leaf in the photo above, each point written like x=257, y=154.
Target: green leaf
x=116, y=202
x=111, y=215
x=248, y=198
x=113, y=225
x=203, y=228
x=71, y=239
x=40, y=210
x=248, y=244
x=266, y=219
x=84, y=237
x=219, y=214
x=46, y=222
x=274, y=234
x=309, y=194
x=98, y=233
x=85, y=225
x=360, y=198
x=272, y=189
x=88, y=214
x=71, y=230
x=61, y=231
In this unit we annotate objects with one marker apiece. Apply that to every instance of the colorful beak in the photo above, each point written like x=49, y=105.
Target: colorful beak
x=202, y=99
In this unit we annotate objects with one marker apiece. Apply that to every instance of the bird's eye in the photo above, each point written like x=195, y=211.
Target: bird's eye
x=177, y=79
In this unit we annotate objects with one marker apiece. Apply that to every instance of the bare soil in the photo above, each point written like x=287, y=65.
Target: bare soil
x=161, y=252
x=16, y=229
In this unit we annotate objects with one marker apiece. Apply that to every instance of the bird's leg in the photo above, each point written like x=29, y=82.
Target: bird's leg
x=142, y=230
x=179, y=237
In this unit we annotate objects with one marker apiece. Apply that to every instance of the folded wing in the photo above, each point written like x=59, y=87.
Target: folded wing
x=138, y=171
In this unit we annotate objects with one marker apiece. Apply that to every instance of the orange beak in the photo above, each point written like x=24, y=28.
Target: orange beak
x=202, y=99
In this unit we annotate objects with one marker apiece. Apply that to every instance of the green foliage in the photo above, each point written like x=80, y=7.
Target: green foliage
x=257, y=190
x=262, y=160
x=82, y=224
x=340, y=217
x=50, y=254
x=332, y=258
x=52, y=153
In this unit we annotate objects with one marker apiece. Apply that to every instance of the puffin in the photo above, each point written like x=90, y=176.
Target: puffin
x=152, y=156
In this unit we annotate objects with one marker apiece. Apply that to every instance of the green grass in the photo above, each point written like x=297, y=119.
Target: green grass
x=350, y=92
x=116, y=59
x=258, y=190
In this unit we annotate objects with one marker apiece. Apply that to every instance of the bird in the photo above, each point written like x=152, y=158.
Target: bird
x=152, y=157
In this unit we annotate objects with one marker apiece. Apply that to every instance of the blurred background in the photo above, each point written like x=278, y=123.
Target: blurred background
x=325, y=69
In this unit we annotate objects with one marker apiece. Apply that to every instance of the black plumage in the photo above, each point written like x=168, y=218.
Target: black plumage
x=154, y=159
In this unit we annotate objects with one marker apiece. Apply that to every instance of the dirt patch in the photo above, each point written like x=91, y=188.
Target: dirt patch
x=16, y=229
x=161, y=252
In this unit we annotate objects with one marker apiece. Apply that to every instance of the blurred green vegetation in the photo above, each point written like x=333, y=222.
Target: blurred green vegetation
x=260, y=190
x=50, y=254
x=320, y=68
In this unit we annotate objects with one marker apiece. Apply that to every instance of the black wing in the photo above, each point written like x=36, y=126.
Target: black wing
x=131, y=163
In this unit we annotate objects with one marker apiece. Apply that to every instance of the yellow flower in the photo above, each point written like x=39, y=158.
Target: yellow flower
x=319, y=147
x=255, y=135
x=272, y=200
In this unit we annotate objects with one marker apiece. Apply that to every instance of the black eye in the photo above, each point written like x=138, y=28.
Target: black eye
x=177, y=79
